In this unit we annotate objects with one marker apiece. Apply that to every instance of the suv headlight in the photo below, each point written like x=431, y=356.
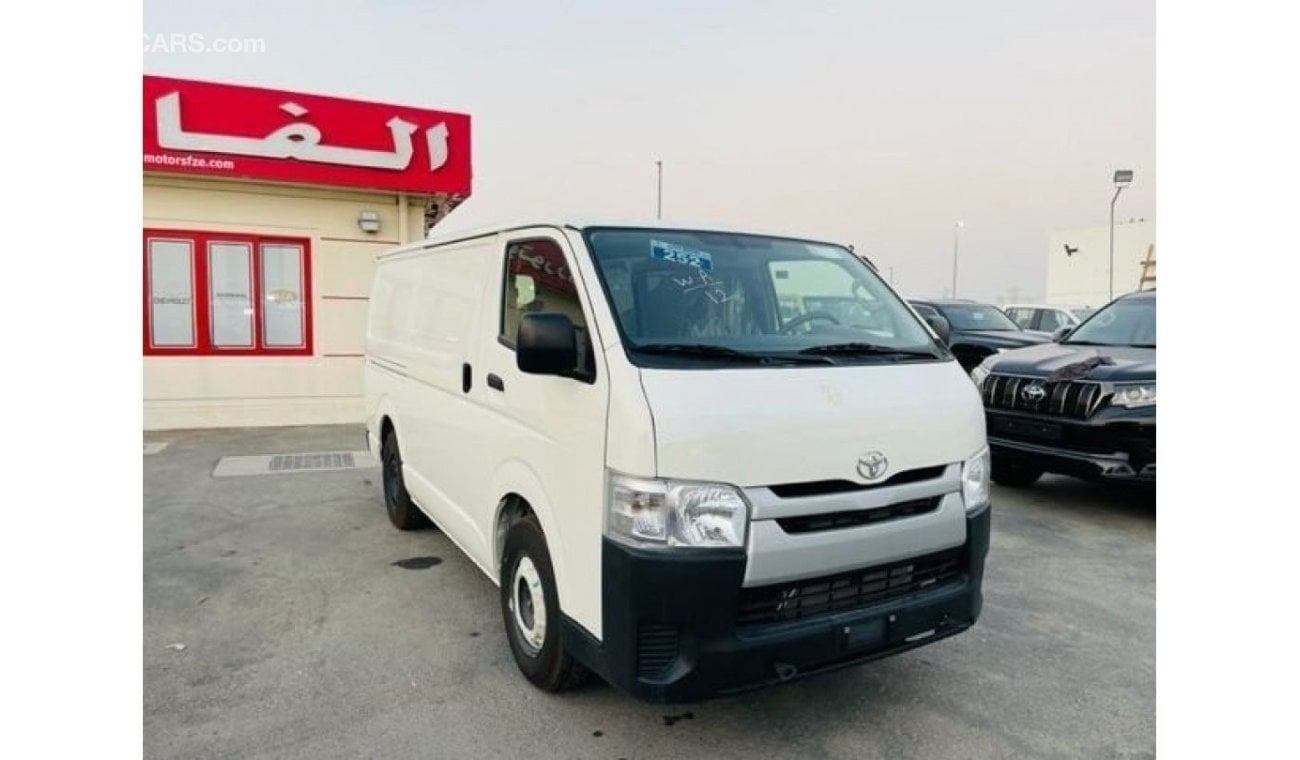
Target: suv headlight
x=674, y=513
x=981, y=373
x=1134, y=395
x=975, y=480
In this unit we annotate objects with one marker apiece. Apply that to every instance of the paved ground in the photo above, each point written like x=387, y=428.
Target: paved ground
x=303, y=639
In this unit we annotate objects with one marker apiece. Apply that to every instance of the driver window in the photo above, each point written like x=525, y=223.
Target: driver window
x=823, y=288
x=537, y=279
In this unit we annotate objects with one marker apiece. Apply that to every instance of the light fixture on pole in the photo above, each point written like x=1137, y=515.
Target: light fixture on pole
x=659, y=190
x=1122, y=179
x=956, y=237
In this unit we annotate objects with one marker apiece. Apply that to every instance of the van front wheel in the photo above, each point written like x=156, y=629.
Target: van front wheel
x=530, y=608
x=402, y=512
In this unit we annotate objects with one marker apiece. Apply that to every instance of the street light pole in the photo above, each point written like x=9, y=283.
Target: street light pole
x=1122, y=179
x=659, y=191
x=956, y=235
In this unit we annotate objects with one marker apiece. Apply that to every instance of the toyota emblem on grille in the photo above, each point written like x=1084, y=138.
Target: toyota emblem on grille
x=1033, y=393
x=872, y=465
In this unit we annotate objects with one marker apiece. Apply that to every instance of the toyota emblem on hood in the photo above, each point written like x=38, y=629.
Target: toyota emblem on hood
x=872, y=465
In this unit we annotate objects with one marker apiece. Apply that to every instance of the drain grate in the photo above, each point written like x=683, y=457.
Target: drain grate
x=332, y=460
x=284, y=464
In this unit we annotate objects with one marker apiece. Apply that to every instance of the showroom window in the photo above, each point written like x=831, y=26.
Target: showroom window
x=216, y=293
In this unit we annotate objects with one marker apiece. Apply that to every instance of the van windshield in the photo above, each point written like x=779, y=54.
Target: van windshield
x=688, y=297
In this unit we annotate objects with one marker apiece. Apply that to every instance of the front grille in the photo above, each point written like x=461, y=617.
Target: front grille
x=824, y=487
x=856, y=517
x=1063, y=398
x=656, y=649
x=797, y=600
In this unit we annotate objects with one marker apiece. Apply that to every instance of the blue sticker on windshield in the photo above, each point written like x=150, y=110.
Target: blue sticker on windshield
x=681, y=255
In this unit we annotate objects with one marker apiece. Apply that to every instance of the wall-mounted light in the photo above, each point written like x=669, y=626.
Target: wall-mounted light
x=368, y=221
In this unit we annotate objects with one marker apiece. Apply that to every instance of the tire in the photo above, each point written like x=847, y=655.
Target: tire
x=1015, y=474
x=534, y=631
x=402, y=512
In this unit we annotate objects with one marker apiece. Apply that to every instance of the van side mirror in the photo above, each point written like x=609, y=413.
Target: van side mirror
x=940, y=327
x=1061, y=333
x=547, y=344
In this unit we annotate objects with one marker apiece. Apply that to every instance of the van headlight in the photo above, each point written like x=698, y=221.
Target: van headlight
x=674, y=513
x=975, y=480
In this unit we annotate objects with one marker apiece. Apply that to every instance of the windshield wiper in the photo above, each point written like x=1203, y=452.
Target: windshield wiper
x=710, y=351
x=864, y=348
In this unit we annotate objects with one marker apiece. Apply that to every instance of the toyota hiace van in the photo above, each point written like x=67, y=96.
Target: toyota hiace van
x=694, y=461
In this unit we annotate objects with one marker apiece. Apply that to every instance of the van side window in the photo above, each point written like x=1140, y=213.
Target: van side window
x=537, y=280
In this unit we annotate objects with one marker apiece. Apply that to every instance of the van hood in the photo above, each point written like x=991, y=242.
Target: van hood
x=776, y=425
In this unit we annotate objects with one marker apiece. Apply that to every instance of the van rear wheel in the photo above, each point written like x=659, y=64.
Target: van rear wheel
x=402, y=512
x=530, y=608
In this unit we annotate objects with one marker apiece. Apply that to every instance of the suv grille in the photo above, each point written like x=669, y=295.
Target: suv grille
x=1065, y=398
x=797, y=600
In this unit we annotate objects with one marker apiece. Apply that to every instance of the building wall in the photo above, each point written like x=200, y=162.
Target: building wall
x=1083, y=277
x=213, y=391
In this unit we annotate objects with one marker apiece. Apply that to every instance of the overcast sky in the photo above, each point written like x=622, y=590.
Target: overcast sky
x=872, y=122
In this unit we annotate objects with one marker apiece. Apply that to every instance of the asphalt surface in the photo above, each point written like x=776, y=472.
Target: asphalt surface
x=277, y=624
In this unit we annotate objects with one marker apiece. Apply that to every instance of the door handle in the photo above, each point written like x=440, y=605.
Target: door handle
x=495, y=381
x=466, y=377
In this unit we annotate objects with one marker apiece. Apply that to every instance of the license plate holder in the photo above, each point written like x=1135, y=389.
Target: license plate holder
x=862, y=635
x=1032, y=429
x=907, y=625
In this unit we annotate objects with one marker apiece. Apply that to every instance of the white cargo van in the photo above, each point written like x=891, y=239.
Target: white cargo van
x=694, y=461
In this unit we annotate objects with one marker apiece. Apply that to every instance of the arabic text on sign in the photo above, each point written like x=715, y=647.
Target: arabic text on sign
x=300, y=140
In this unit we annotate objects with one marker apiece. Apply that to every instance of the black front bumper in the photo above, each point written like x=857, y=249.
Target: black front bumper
x=1110, y=446
x=670, y=631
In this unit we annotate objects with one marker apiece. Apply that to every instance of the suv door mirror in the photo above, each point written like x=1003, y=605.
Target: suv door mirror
x=940, y=327
x=1061, y=333
x=547, y=344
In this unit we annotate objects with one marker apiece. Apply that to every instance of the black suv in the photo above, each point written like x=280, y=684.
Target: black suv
x=1084, y=405
x=977, y=329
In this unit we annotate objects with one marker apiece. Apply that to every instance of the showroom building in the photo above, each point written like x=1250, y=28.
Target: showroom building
x=264, y=211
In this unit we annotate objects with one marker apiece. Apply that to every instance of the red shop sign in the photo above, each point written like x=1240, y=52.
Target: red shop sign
x=249, y=132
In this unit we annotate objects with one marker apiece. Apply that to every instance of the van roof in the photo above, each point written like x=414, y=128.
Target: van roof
x=451, y=235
